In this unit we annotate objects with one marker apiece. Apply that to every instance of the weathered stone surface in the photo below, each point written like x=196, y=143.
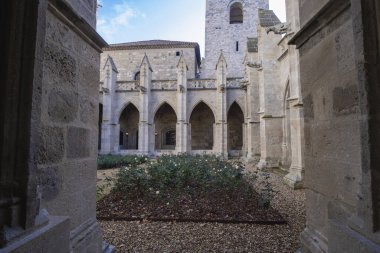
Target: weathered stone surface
x=345, y=100
x=88, y=110
x=221, y=35
x=77, y=142
x=50, y=181
x=52, y=145
x=337, y=140
x=63, y=106
x=60, y=66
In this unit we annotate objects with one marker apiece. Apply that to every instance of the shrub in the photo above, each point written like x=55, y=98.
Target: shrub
x=116, y=161
x=173, y=175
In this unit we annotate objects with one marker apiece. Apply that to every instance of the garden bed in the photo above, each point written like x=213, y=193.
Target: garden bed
x=187, y=188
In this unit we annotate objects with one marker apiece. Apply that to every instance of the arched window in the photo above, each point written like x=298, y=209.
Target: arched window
x=170, y=138
x=236, y=13
x=137, y=76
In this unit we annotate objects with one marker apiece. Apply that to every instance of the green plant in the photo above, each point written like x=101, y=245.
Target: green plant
x=116, y=161
x=174, y=175
x=266, y=191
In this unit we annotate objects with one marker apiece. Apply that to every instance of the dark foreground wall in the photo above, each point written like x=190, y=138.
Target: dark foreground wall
x=48, y=133
x=339, y=59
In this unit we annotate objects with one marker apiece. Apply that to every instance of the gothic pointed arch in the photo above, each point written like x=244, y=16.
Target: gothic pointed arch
x=202, y=122
x=137, y=76
x=165, y=121
x=235, y=121
x=236, y=13
x=129, y=127
x=158, y=107
x=194, y=105
x=238, y=104
x=125, y=105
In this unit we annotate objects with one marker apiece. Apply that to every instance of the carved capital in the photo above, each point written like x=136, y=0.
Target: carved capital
x=222, y=88
x=253, y=64
x=279, y=29
x=140, y=88
x=181, y=89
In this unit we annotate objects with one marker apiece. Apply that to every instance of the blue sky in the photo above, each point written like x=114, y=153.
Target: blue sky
x=134, y=20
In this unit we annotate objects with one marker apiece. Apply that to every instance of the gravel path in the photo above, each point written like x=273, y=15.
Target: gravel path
x=212, y=237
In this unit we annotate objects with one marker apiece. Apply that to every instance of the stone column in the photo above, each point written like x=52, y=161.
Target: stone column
x=252, y=101
x=182, y=143
x=296, y=171
x=220, y=134
x=110, y=132
x=145, y=126
x=270, y=103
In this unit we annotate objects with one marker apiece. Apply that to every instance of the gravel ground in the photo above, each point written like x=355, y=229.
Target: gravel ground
x=214, y=237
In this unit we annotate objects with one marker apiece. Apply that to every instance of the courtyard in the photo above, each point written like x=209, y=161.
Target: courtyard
x=226, y=235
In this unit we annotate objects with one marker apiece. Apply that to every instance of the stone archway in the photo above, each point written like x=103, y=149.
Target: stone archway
x=202, y=122
x=129, y=128
x=235, y=121
x=165, y=122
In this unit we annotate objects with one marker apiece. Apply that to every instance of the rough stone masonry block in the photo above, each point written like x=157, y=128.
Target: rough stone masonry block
x=60, y=68
x=78, y=142
x=345, y=100
x=88, y=110
x=50, y=181
x=63, y=106
x=51, y=149
x=58, y=32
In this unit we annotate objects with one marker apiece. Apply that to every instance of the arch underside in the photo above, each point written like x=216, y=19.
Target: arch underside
x=165, y=121
x=235, y=121
x=129, y=128
x=202, y=122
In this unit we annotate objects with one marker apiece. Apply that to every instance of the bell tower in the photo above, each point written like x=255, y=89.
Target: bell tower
x=228, y=25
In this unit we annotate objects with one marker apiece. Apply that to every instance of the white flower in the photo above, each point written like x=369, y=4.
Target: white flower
x=157, y=192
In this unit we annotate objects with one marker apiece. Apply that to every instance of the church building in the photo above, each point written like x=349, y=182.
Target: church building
x=242, y=100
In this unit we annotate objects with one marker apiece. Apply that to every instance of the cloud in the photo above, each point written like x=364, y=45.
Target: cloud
x=123, y=14
x=117, y=19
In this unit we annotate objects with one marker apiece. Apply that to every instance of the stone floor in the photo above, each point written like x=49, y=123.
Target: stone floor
x=213, y=237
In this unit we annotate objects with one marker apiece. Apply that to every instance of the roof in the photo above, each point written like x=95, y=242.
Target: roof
x=252, y=45
x=155, y=44
x=267, y=18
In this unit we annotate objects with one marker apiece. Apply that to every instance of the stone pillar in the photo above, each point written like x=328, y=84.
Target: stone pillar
x=182, y=143
x=110, y=133
x=220, y=134
x=252, y=102
x=145, y=125
x=296, y=171
x=270, y=103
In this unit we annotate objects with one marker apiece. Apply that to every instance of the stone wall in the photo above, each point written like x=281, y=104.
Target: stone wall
x=221, y=35
x=67, y=155
x=58, y=104
x=87, y=8
x=339, y=201
x=163, y=61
